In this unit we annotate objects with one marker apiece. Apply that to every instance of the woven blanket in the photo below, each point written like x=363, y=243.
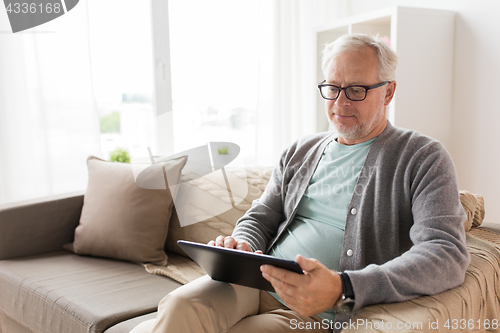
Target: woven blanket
x=179, y=268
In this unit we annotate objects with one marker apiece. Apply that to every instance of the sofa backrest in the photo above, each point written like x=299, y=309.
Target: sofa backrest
x=222, y=224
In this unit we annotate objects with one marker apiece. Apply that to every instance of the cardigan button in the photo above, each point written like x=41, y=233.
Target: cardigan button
x=354, y=211
x=349, y=253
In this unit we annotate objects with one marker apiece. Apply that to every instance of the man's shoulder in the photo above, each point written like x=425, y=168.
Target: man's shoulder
x=313, y=139
x=407, y=139
x=305, y=147
x=396, y=142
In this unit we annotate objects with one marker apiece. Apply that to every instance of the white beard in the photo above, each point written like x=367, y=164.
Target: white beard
x=358, y=131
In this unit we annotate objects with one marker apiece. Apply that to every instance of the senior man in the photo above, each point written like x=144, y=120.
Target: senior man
x=377, y=207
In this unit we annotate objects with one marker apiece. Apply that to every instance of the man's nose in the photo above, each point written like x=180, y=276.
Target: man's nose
x=342, y=99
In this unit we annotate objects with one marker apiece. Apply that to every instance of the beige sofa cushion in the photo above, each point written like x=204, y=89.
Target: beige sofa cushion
x=119, y=219
x=60, y=292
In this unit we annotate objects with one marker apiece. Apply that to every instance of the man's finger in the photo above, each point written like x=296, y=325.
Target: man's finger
x=229, y=242
x=291, y=295
x=289, y=299
x=284, y=290
x=219, y=241
x=278, y=284
x=283, y=275
x=243, y=246
x=306, y=264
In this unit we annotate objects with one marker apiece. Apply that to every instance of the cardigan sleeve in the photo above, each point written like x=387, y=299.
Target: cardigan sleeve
x=437, y=258
x=260, y=223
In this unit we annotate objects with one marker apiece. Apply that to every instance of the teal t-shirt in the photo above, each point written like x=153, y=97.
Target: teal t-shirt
x=317, y=230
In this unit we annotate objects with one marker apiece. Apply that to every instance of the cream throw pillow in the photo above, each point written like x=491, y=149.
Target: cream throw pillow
x=121, y=220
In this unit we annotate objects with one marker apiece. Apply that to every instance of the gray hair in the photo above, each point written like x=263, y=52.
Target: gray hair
x=387, y=57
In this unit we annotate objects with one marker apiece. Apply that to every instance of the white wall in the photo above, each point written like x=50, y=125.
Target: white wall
x=476, y=91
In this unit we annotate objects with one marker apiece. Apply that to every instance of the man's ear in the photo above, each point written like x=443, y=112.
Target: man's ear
x=389, y=92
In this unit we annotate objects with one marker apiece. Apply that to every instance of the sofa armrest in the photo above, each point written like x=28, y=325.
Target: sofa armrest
x=38, y=226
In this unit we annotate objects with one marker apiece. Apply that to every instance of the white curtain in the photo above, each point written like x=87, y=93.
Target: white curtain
x=287, y=72
x=49, y=123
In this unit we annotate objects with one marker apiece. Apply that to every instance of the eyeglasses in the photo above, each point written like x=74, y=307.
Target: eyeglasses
x=354, y=93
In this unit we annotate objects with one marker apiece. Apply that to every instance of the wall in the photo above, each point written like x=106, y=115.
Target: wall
x=476, y=78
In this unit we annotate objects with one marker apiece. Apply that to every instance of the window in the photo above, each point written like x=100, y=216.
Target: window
x=122, y=68
x=214, y=66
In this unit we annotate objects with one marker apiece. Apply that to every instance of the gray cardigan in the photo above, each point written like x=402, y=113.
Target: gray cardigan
x=404, y=234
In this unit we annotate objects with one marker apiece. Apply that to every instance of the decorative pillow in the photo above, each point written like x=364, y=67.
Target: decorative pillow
x=121, y=220
x=222, y=224
x=474, y=208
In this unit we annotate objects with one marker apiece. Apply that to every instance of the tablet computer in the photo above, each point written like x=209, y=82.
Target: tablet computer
x=235, y=266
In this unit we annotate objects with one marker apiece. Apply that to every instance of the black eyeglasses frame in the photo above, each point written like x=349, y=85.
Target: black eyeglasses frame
x=323, y=84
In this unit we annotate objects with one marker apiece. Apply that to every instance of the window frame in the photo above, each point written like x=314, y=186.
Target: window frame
x=162, y=76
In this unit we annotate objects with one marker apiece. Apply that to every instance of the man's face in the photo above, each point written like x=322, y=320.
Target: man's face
x=357, y=121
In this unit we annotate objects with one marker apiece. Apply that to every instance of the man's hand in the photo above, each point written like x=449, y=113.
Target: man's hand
x=314, y=292
x=231, y=243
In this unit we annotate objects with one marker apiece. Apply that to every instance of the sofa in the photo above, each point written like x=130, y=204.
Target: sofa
x=46, y=286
